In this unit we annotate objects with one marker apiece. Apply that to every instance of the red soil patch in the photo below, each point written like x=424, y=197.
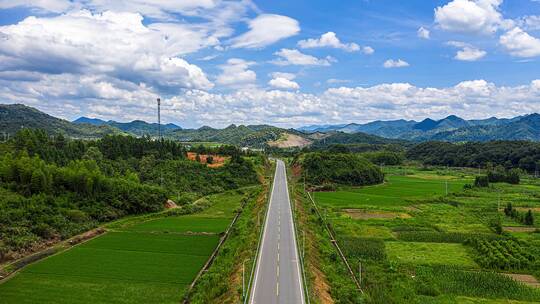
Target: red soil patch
x=218, y=160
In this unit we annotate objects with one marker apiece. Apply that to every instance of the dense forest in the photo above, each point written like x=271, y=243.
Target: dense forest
x=509, y=154
x=52, y=187
x=348, y=169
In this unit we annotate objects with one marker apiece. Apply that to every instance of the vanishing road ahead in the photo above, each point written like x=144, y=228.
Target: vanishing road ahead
x=277, y=275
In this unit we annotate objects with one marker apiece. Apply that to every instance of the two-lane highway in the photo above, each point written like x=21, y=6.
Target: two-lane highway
x=277, y=276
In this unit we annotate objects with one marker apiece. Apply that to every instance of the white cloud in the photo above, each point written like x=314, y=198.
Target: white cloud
x=467, y=52
x=236, y=73
x=328, y=39
x=368, y=50
x=266, y=29
x=289, y=76
x=54, y=6
x=335, y=81
x=470, y=16
x=114, y=44
x=530, y=23
x=520, y=44
x=295, y=57
x=72, y=95
x=283, y=83
x=470, y=54
x=391, y=63
x=423, y=33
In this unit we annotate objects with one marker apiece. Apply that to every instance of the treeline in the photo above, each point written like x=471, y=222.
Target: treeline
x=52, y=187
x=509, y=154
x=348, y=169
x=43, y=201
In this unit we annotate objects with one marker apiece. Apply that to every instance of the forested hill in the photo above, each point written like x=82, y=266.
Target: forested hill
x=136, y=127
x=52, y=187
x=14, y=117
x=246, y=136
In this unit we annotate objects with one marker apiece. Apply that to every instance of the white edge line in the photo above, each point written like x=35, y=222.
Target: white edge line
x=294, y=241
x=254, y=288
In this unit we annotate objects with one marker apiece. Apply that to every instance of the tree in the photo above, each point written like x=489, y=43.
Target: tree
x=481, y=181
x=508, y=209
x=198, y=158
x=210, y=160
x=529, y=218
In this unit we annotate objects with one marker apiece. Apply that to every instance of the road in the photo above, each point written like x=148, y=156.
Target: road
x=277, y=276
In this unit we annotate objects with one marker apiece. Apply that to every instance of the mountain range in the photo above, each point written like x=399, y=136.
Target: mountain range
x=451, y=128
x=13, y=117
x=136, y=127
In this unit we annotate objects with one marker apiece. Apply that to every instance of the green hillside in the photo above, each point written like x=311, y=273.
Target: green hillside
x=17, y=116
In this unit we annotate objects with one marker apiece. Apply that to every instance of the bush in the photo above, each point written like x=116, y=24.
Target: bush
x=481, y=181
x=348, y=169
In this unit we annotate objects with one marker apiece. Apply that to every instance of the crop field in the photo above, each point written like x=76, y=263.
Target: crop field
x=151, y=261
x=418, y=244
x=397, y=191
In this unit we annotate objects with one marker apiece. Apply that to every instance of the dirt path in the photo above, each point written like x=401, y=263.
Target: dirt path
x=526, y=279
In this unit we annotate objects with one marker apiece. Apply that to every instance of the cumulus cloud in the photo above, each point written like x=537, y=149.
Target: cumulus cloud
x=54, y=6
x=423, y=33
x=391, y=63
x=328, y=39
x=113, y=99
x=266, y=29
x=471, y=16
x=114, y=44
x=295, y=57
x=467, y=52
x=520, y=44
x=531, y=23
x=283, y=83
x=236, y=73
x=368, y=50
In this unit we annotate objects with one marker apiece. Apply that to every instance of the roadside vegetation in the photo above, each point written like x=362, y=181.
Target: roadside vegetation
x=427, y=234
x=53, y=188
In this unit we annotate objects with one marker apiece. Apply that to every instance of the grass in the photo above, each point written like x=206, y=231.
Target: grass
x=430, y=254
x=448, y=280
x=398, y=191
x=145, y=260
x=182, y=225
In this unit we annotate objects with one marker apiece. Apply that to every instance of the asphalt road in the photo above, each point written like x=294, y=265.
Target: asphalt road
x=277, y=276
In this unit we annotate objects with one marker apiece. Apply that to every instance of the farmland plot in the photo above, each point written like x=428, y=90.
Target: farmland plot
x=152, y=261
x=414, y=241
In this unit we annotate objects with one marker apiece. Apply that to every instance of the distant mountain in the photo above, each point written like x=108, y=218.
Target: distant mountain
x=136, y=127
x=451, y=128
x=524, y=128
x=14, y=117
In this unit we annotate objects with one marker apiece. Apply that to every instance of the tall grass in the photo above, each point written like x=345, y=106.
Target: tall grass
x=433, y=281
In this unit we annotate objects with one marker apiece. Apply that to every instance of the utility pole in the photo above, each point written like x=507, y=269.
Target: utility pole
x=159, y=139
x=303, y=244
x=159, y=117
x=359, y=273
x=243, y=282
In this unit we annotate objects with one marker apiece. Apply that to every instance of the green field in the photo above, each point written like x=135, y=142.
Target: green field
x=152, y=261
x=411, y=237
x=397, y=191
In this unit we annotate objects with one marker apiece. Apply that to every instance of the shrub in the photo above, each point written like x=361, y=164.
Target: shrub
x=349, y=169
x=481, y=181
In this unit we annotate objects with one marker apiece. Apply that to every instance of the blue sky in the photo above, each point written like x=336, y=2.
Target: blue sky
x=287, y=63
